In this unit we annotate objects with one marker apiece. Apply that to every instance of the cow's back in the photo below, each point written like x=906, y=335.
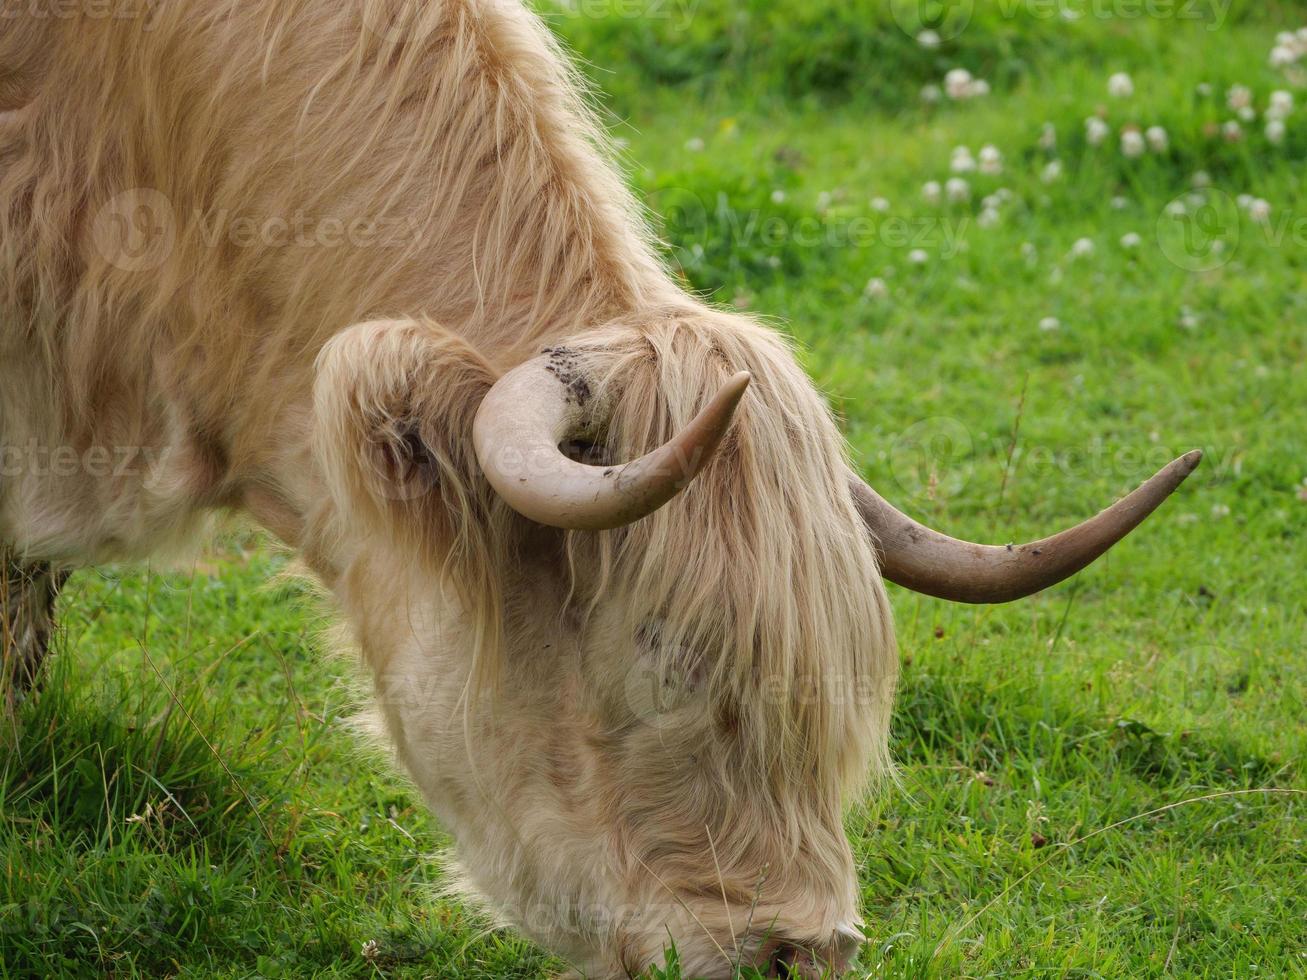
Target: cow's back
x=195, y=196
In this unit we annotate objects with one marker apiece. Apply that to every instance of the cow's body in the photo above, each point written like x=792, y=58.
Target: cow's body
x=197, y=198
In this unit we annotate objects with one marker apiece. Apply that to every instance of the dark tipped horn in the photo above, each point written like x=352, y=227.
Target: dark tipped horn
x=914, y=556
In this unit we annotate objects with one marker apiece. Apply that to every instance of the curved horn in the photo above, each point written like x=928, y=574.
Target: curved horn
x=535, y=408
x=914, y=556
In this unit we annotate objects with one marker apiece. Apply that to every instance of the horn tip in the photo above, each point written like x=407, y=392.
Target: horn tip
x=730, y=394
x=739, y=382
x=1190, y=460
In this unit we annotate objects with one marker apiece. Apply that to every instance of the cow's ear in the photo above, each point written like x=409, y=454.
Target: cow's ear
x=394, y=403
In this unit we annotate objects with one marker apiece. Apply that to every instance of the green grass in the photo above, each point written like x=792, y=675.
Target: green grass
x=1048, y=748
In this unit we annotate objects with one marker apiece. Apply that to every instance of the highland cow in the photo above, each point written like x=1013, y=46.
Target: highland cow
x=365, y=272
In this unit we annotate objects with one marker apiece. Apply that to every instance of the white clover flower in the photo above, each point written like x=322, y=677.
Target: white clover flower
x=1281, y=104
x=879, y=204
x=1120, y=86
x=1096, y=131
x=1050, y=323
x=1232, y=131
x=1029, y=252
x=1048, y=137
x=1204, y=89
x=918, y=256
x=778, y=196
x=1239, y=97
x=876, y=288
x=1243, y=200
x=991, y=160
x=1132, y=143
x=1220, y=510
x=930, y=93
x=1082, y=248
x=958, y=83
x=928, y=39
x=958, y=190
x=931, y=191
x=989, y=217
x=1157, y=139
x=694, y=144
x=1247, y=113
x=1275, y=131
x=1283, y=56
x=1131, y=240
x=1119, y=203
x=1260, y=211
x=1201, y=178
x=1052, y=172
x=962, y=162
x=1177, y=209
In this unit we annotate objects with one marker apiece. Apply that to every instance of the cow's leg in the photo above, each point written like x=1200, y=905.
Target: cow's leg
x=27, y=599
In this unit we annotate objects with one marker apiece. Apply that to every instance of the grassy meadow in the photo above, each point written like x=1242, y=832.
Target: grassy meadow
x=1106, y=780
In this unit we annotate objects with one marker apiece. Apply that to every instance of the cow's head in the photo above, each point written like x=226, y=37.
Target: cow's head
x=637, y=693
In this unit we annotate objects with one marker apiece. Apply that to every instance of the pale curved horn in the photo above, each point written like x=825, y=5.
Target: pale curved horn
x=535, y=408
x=914, y=556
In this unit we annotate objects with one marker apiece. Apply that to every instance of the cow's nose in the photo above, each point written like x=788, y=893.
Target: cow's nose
x=795, y=960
